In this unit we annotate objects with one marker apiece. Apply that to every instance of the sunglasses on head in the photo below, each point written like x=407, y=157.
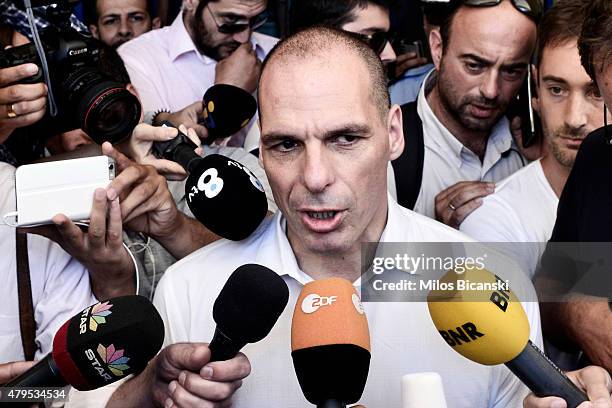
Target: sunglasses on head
x=232, y=28
x=531, y=8
x=376, y=41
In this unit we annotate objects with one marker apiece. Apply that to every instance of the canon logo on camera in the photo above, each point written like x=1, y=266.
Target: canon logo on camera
x=72, y=53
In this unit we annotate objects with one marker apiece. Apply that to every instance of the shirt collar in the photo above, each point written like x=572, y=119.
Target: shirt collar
x=500, y=138
x=181, y=43
x=275, y=251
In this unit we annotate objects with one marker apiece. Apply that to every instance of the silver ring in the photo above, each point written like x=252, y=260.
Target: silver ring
x=10, y=111
x=451, y=206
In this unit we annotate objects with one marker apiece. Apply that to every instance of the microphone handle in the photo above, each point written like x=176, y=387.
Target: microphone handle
x=180, y=149
x=222, y=347
x=186, y=157
x=44, y=373
x=543, y=377
x=332, y=403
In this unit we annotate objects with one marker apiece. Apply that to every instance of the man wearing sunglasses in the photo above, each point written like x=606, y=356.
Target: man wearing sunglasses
x=210, y=42
x=481, y=54
x=368, y=20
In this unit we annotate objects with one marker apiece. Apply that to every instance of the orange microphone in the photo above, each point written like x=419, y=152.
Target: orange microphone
x=330, y=343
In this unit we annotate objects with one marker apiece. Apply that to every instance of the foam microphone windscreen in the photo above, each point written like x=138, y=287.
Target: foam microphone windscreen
x=487, y=327
x=247, y=308
x=226, y=197
x=227, y=109
x=107, y=342
x=330, y=342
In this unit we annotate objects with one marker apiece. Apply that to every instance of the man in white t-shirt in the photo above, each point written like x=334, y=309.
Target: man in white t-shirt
x=524, y=206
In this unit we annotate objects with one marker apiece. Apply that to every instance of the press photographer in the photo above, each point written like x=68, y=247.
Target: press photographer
x=62, y=64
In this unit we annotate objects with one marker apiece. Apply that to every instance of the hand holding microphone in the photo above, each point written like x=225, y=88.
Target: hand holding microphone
x=496, y=331
x=330, y=343
x=191, y=374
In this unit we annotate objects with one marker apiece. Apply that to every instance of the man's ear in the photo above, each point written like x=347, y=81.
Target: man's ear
x=436, y=47
x=395, y=129
x=155, y=23
x=535, y=99
x=93, y=29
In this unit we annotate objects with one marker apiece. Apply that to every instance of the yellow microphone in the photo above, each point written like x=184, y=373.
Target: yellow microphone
x=488, y=325
x=330, y=343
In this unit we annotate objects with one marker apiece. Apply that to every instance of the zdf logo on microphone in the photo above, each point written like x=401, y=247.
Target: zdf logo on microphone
x=313, y=302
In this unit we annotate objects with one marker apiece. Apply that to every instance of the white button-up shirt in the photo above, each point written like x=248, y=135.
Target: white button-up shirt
x=403, y=337
x=168, y=70
x=447, y=161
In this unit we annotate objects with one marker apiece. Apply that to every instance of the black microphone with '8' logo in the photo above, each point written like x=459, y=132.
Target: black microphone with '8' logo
x=226, y=197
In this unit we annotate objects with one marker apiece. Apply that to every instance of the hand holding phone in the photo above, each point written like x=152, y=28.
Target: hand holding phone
x=60, y=187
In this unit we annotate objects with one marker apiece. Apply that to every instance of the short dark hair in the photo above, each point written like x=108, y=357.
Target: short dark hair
x=560, y=24
x=317, y=40
x=91, y=11
x=111, y=64
x=332, y=13
x=595, y=42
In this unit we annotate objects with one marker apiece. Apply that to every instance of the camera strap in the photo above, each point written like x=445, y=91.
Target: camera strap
x=42, y=56
x=27, y=324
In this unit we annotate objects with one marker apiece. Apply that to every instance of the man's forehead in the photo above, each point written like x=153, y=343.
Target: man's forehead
x=320, y=88
x=115, y=6
x=562, y=62
x=239, y=7
x=490, y=29
x=320, y=75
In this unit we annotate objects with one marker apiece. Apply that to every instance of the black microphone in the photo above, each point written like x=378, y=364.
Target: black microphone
x=102, y=344
x=221, y=193
x=226, y=110
x=226, y=197
x=246, y=309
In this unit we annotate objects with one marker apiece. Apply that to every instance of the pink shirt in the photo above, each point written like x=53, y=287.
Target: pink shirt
x=167, y=69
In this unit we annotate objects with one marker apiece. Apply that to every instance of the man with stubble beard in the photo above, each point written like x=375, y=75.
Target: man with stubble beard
x=481, y=53
x=210, y=42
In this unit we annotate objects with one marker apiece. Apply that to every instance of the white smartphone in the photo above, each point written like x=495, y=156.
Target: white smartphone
x=60, y=187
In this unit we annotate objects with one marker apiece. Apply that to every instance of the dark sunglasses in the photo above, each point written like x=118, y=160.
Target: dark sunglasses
x=233, y=28
x=377, y=41
x=531, y=8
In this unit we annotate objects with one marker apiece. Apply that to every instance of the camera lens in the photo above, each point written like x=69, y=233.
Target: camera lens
x=105, y=109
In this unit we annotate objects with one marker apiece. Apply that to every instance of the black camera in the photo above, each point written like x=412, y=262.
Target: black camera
x=85, y=97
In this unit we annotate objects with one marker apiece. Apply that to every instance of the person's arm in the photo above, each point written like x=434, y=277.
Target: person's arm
x=584, y=321
x=459, y=200
x=8, y=371
x=594, y=381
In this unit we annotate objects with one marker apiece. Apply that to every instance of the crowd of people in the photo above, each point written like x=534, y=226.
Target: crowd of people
x=353, y=142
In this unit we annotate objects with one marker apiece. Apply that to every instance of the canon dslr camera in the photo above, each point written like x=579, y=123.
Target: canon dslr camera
x=85, y=97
